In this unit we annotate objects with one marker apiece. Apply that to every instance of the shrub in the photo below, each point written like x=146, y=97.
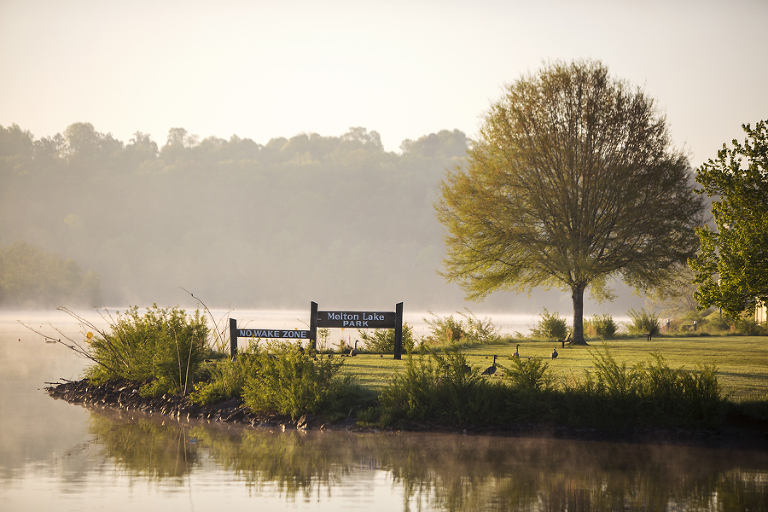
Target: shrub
x=552, y=326
x=226, y=379
x=470, y=331
x=644, y=322
x=439, y=387
x=602, y=326
x=293, y=383
x=383, y=340
x=749, y=327
x=530, y=373
x=647, y=394
x=164, y=347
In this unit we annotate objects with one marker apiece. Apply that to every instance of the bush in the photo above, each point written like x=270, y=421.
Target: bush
x=749, y=327
x=439, y=387
x=602, y=326
x=644, y=322
x=648, y=394
x=532, y=374
x=382, y=341
x=164, y=347
x=226, y=379
x=552, y=326
x=293, y=383
x=470, y=331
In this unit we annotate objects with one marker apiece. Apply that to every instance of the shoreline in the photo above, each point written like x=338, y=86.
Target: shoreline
x=736, y=433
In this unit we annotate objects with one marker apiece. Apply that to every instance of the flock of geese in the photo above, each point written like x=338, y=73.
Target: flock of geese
x=492, y=369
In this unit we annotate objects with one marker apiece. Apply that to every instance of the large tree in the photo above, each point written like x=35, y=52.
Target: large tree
x=572, y=182
x=732, y=269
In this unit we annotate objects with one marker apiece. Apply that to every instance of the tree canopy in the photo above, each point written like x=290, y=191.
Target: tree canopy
x=572, y=182
x=732, y=269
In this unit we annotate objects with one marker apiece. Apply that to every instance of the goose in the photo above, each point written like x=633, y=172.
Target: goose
x=491, y=369
x=517, y=351
x=554, y=353
x=353, y=352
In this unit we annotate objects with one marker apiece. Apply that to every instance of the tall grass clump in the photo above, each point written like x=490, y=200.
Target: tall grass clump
x=601, y=326
x=163, y=347
x=552, y=326
x=287, y=381
x=382, y=341
x=449, y=331
x=440, y=387
x=646, y=394
x=531, y=374
x=644, y=322
x=226, y=378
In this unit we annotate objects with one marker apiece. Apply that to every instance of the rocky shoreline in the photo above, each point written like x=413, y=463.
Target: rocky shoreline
x=738, y=433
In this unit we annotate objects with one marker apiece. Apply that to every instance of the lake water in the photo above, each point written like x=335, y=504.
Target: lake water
x=56, y=456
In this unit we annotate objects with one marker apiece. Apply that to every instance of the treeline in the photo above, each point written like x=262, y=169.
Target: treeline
x=332, y=219
x=32, y=277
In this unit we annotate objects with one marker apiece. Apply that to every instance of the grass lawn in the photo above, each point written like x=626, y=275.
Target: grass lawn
x=741, y=361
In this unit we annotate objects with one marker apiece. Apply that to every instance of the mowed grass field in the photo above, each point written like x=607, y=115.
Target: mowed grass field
x=741, y=361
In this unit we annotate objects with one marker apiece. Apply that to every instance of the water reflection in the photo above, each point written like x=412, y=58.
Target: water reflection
x=445, y=472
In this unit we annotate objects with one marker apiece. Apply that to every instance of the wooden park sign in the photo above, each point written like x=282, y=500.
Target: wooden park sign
x=328, y=319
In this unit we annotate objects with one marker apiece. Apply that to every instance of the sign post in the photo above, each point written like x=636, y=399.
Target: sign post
x=361, y=320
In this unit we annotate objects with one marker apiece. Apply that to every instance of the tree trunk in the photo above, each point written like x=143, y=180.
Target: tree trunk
x=577, y=294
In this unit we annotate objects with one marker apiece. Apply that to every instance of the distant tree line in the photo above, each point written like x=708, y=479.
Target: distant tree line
x=304, y=218
x=32, y=277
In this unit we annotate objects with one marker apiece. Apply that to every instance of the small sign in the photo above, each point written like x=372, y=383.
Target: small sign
x=273, y=333
x=356, y=319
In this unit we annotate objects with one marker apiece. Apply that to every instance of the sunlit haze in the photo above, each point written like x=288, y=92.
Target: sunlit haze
x=405, y=69
x=266, y=69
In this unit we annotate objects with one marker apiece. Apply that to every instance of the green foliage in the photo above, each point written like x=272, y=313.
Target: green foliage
x=30, y=276
x=552, y=326
x=289, y=382
x=602, y=326
x=531, y=374
x=467, y=332
x=539, y=203
x=649, y=394
x=644, y=322
x=732, y=267
x=382, y=341
x=225, y=378
x=438, y=387
x=164, y=347
x=749, y=327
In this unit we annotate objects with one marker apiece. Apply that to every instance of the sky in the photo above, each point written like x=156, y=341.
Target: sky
x=266, y=69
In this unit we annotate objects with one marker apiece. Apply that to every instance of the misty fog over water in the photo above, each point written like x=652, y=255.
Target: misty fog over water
x=332, y=219
x=60, y=456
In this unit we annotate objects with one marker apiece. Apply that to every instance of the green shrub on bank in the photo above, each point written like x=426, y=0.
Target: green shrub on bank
x=382, y=341
x=645, y=394
x=287, y=381
x=529, y=373
x=438, y=387
x=448, y=331
x=164, y=347
x=552, y=326
x=226, y=379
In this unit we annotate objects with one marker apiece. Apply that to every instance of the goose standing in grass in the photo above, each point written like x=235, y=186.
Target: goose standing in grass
x=517, y=351
x=353, y=352
x=491, y=369
x=554, y=353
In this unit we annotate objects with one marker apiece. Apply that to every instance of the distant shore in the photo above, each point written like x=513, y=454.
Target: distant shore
x=736, y=433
